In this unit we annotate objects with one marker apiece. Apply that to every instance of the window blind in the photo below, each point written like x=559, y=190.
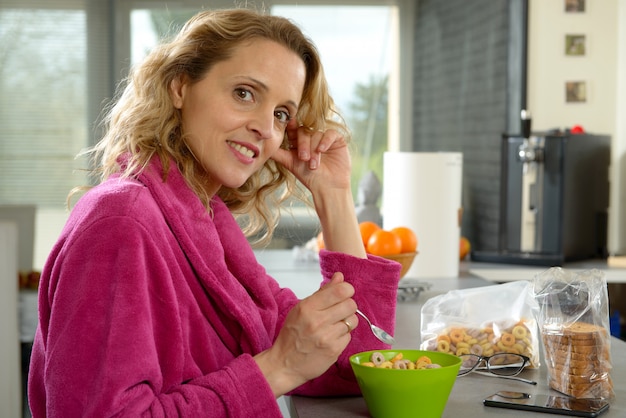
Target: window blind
x=43, y=100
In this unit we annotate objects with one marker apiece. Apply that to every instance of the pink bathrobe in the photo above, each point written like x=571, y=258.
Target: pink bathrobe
x=150, y=306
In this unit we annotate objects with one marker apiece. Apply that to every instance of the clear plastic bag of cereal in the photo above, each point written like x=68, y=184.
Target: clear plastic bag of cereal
x=573, y=320
x=482, y=321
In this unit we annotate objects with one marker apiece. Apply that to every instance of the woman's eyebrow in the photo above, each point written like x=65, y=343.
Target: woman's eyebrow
x=262, y=86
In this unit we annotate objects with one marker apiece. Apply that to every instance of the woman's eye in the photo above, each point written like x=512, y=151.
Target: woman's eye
x=243, y=94
x=282, y=116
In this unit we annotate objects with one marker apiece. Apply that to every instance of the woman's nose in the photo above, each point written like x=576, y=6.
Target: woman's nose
x=262, y=123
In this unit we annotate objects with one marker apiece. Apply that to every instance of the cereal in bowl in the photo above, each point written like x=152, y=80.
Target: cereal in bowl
x=377, y=359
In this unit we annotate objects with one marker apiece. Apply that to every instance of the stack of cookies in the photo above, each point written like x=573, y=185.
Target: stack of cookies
x=579, y=360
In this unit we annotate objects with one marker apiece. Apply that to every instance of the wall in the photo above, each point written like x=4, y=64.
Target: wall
x=549, y=68
x=10, y=381
x=460, y=79
x=49, y=223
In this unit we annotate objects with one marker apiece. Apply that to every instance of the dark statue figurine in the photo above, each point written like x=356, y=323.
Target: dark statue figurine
x=368, y=195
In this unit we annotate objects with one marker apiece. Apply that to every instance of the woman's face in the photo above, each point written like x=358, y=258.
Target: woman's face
x=234, y=119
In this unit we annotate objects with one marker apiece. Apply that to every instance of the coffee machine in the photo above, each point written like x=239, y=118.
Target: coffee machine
x=554, y=198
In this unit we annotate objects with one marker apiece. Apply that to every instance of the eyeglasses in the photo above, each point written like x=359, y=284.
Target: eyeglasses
x=505, y=365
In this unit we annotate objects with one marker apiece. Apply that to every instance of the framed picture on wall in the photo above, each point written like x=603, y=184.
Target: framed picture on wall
x=575, y=45
x=575, y=6
x=575, y=92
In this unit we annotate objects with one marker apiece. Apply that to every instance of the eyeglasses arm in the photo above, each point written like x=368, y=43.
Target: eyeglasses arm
x=519, y=379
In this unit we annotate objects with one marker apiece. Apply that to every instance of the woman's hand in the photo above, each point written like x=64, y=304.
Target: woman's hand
x=321, y=161
x=312, y=338
x=318, y=159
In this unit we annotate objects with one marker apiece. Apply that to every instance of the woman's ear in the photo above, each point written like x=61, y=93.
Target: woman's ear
x=177, y=88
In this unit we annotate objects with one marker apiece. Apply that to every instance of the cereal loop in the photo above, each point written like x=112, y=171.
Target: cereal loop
x=512, y=350
x=519, y=347
x=462, y=351
x=443, y=346
x=399, y=365
x=519, y=332
x=456, y=335
x=433, y=366
x=473, y=332
x=507, y=339
x=377, y=358
x=396, y=358
x=424, y=359
x=386, y=365
x=421, y=365
x=476, y=349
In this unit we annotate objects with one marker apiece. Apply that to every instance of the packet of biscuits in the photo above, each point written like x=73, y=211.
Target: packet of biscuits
x=483, y=321
x=573, y=320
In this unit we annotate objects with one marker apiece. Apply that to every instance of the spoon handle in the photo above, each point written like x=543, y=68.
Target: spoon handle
x=364, y=317
x=380, y=333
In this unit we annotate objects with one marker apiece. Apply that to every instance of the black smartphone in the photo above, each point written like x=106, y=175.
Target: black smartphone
x=548, y=404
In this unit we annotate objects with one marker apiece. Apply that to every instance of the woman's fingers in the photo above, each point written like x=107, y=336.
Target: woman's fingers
x=311, y=144
x=334, y=303
x=314, y=334
x=335, y=291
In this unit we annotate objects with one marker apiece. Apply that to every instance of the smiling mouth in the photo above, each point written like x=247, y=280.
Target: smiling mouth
x=241, y=149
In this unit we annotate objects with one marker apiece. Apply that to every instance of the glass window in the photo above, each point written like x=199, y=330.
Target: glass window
x=149, y=26
x=355, y=43
x=42, y=103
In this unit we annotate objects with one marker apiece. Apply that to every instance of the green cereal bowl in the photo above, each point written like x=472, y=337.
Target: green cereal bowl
x=392, y=393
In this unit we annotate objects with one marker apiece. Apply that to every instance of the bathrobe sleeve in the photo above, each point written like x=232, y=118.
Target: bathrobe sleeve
x=376, y=284
x=375, y=280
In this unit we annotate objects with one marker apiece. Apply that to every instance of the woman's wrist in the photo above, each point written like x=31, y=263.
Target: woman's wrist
x=336, y=211
x=277, y=376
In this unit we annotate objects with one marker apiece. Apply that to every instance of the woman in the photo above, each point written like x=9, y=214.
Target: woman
x=151, y=302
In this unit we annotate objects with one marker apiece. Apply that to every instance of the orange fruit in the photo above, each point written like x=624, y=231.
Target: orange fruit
x=407, y=237
x=384, y=242
x=320, y=241
x=367, y=228
x=464, y=248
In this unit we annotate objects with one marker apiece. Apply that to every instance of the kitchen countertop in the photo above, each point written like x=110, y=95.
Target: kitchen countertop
x=468, y=392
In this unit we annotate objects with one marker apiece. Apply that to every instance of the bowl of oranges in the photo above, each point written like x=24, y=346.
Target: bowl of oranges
x=398, y=244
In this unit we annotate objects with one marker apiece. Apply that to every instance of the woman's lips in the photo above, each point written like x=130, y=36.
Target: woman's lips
x=242, y=149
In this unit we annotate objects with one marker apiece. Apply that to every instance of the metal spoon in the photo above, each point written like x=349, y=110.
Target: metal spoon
x=380, y=333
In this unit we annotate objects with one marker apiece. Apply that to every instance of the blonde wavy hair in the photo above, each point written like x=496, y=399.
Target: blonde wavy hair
x=142, y=123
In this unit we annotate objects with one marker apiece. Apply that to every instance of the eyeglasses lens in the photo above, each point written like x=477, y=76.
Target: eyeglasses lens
x=470, y=362
x=501, y=364
x=505, y=364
